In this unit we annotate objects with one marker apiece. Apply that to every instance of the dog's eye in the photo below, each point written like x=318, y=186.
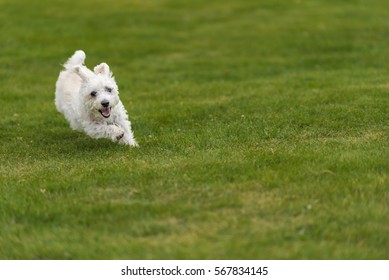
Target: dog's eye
x=108, y=89
x=93, y=93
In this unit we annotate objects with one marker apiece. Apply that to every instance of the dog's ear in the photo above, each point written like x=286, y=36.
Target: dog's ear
x=103, y=69
x=82, y=72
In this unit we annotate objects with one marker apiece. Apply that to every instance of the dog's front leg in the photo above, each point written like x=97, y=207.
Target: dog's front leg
x=96, y=130
x=128, y=137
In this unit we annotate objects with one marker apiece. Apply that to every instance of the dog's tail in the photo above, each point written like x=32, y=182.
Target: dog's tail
x=77, y=58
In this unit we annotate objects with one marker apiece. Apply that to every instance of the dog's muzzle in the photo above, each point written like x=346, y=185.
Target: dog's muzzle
x=105, y=112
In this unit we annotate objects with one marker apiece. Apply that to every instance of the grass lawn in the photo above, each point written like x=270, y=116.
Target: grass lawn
x=263, y=131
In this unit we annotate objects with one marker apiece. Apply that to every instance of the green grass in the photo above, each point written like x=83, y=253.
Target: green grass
x=263, y=131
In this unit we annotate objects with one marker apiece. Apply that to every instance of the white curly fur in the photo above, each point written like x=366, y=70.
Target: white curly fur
x=90, y=101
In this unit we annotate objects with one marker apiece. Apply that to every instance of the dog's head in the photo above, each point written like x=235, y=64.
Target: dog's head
x=98, y=89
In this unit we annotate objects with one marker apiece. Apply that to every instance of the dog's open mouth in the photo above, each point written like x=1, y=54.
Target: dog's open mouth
x=105, y=112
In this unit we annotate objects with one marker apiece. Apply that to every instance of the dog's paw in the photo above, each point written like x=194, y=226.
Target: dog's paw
x=129, y=141
x=116, y=132
x=120, y=135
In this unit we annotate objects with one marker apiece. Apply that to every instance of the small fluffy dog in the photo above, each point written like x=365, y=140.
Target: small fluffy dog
x=90, y=101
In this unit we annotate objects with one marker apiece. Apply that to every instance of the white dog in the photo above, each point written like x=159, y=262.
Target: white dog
x=90, y=101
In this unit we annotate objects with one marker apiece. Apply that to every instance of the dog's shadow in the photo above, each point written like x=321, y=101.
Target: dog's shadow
x=61, y=141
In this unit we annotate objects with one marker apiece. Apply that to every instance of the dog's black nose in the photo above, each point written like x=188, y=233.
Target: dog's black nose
x=105, y=103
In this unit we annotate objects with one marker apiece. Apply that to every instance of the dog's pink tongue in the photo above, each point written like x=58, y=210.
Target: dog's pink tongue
x=106, y=112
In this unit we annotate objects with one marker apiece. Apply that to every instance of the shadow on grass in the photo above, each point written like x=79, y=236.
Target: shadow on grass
x=43, y=144
x=78, y=141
